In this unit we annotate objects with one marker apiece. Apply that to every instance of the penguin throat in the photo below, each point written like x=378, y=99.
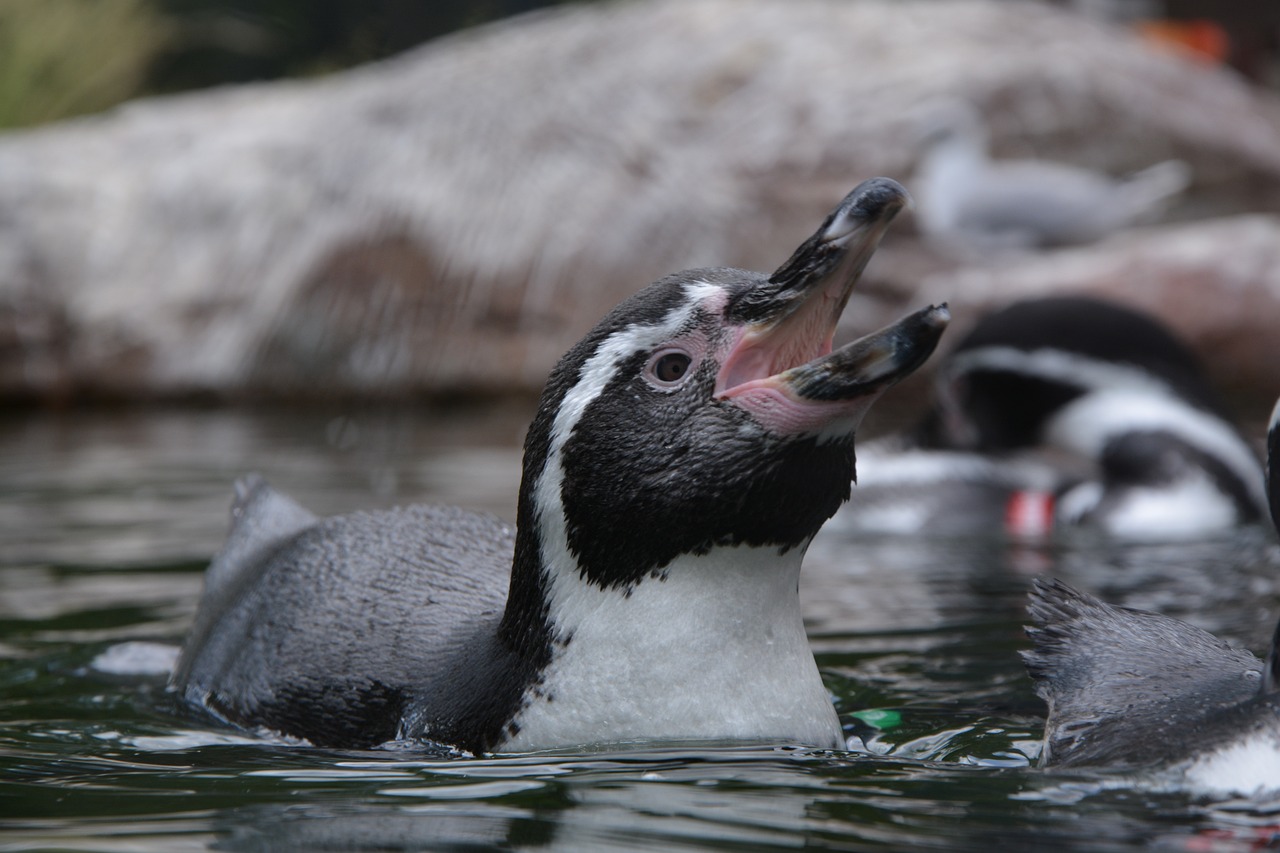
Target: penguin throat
x=716, y=648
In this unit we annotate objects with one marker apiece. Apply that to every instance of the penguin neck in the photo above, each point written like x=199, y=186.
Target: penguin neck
x=711, y=646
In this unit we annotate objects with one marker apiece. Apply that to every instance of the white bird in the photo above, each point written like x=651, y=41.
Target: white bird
x=968, y=200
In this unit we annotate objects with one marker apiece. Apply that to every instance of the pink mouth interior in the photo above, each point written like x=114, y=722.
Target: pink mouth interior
x=761, y=354
x=751, y=375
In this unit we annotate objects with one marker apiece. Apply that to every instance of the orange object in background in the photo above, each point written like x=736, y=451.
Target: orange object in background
x=1199, y=39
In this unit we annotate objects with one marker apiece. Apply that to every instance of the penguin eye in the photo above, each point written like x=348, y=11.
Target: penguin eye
x=670, y=368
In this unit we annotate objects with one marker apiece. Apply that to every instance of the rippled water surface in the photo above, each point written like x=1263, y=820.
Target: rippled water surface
x=106, y=522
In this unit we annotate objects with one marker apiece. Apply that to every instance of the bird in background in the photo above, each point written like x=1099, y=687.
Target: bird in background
x=966, y=200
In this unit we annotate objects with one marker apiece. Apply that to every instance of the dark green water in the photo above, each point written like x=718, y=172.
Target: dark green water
x=106, y=522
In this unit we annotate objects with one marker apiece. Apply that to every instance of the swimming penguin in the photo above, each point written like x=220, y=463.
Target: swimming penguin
x=683, y=455
x=1058, y=413
x=1132, y=689
x=970, y=201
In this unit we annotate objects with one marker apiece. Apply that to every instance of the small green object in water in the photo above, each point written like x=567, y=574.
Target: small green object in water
x=879, y=718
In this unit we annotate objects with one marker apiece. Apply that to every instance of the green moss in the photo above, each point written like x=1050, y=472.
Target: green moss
x=61, y=58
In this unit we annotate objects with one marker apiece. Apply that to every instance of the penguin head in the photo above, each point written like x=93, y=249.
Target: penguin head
x=711, y=410
x=1022, y=365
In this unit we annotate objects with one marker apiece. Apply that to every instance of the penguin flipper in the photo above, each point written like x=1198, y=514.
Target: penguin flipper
x=1120, y=683
x=261, y=519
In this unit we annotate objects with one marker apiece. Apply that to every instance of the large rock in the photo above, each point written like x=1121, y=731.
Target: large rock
x=449, y=221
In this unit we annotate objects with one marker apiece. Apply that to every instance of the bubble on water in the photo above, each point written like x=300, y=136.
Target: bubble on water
x=137, y=657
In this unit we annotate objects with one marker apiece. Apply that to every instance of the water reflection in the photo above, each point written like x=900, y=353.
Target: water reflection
x=146, y=488
x=1228, y=585
x=760, y=799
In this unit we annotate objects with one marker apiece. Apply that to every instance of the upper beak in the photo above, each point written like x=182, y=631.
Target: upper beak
x=791, y=317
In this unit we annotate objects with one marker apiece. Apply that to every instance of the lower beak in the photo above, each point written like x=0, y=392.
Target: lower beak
x=870, y=364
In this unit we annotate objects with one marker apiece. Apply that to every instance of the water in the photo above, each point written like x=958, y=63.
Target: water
x=106, y=522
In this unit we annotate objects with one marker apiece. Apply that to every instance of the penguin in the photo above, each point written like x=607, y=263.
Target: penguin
x=1065, y=413
x=1140, y=691
x=683, y=455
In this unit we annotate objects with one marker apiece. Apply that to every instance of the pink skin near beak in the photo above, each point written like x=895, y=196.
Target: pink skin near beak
x=772, y=401
x=752, y=374
x=759, y=352
x=828, y=395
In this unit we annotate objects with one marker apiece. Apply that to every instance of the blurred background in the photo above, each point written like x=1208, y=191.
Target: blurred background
x=225, y=200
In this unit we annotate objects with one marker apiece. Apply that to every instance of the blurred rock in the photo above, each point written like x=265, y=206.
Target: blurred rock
x=451, y=220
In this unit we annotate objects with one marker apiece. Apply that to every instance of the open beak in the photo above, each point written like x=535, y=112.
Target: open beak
x=784, y=360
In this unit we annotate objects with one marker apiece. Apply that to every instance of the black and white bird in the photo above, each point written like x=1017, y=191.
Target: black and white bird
x=969, y=200
x=1065, y=412
x=684, y=454
x=1138, y=690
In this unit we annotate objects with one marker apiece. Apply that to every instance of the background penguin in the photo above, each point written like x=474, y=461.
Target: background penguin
x=1068, y=412
x=683, y=455
x=1132, y=689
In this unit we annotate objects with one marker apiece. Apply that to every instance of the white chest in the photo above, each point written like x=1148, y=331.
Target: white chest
x=716, y=650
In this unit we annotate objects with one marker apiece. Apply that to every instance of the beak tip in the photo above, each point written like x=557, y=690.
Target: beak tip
x=938, y=316
x=875, y=200
x=879, y=198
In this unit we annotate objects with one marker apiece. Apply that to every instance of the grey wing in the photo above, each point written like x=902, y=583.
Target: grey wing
x=1046, y=203
x=1126, y=686
x=327, y=633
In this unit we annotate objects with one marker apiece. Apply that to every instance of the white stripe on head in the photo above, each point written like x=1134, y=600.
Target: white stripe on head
x=1056, y=365
x=1086, y=425
x=598, y=370
x=1051, y=365
x=596, y=374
